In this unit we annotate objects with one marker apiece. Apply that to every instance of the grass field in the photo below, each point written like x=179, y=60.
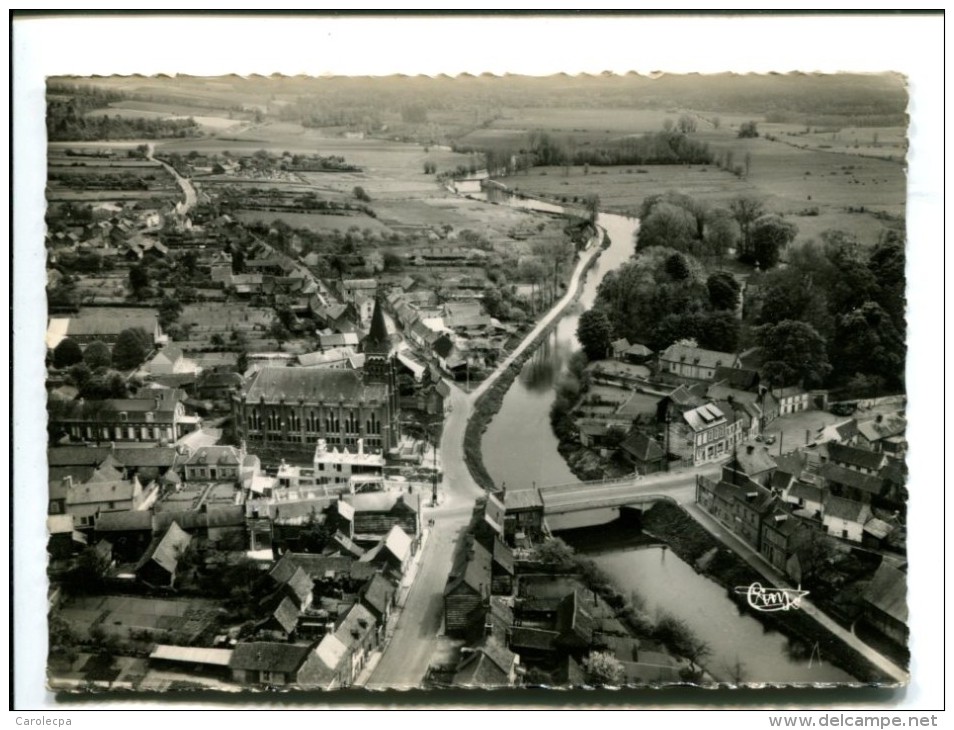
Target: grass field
x=791, y=181
x=314, y=222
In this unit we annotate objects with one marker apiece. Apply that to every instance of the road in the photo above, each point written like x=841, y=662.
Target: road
x=188, y=189
x=407, y=656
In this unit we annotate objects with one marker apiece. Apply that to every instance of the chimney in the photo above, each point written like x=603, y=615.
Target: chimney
x=749, y=449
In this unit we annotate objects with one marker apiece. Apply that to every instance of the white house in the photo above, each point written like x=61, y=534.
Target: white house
x=845, y=518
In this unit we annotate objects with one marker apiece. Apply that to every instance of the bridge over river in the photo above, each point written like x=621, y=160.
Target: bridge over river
x=630, y=491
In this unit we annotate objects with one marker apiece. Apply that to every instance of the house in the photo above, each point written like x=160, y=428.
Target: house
x=501, y=569
x=487, y=665
x=268, y=662
x=168, y=361
x=64, y=539
x=352, y=288
x=863, y=461
x=741, y=508
x=523, y=515
x=467, y=594
x=807, y=498
x=851, y=484
x=791, y=399
x=107, y=491
x=700, y=435
x=392, y=552
x=845, y=432
x=214, y=463
x=158, y=565
x=783, y=534
x=845, y=518
x=884, y=434
x=695, y=363
x=643, y=453
x=375, y=513
x=490, y=524
x=738, y=378
x=750, y=463
x=618, y=348
x=377, y=595
x=357, y=631
x=885, y=602
x=128, y=532
x=282, y=622
x=637, y=354
x=218, y=385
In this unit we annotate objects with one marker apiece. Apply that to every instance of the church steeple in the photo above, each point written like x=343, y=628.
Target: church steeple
x=377, y=341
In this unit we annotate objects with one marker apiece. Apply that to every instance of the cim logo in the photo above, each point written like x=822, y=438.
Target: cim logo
x=771, y=599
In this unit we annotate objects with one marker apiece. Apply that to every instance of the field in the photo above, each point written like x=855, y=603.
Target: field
x=313, y=221
x=814, y=187
x=119, y=615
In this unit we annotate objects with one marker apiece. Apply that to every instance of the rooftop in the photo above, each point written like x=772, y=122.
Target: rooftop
x=273, y=384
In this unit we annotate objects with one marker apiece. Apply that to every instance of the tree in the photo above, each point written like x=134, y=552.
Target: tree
x=594, y=333
x=360, y=194
x=793, y=353
x=169, y=310
x=722, y=232
x=886, y=263
x=603, y=669
x=279, y=332
x=67, y=353
x=130, y=349
x=554, y=550
x=667, y=225
x=592, y=204
x=138, y=279
x=867, y=343
x=315, y=534
x=97, y=355
x=748, y=130
x=767, y=237
x=614, y=436
x=79, y=374
x=723, y=290
x=677, y=267
x=686, y=124
x=747, y=210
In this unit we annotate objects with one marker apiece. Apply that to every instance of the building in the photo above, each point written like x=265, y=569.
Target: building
x=159, y=563
x=489, y=664
x=885, y=602
x=524, y=514
x=701, y=435
x=103, y=324
x=643, y=453
x=106, y=491
x=792, y=399
x=159, y=417
x=695, y=363
x=885, y=434
x=268, y=662
x=215, y=463
x=376, y=513
x=292, y=408
x=467, y=594
x=845, y=518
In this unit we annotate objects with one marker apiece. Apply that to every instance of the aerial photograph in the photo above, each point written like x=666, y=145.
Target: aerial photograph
x=476, y=382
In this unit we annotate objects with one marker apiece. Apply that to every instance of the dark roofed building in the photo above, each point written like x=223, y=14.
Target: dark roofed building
x=158, y=565
x=377, y=595
x=738, y=378
x=861, y=460
x=851, y=484
x=467, y=595
x=267, y=662
x=643, y=452
x=292, y=408
x=886, y=606
x=489, y=664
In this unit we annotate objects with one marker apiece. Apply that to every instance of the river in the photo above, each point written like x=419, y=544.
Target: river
x=520, y=450
x=519, y=446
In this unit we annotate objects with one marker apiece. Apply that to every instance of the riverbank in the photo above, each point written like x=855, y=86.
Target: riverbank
x=671, y=526
x=488, y=403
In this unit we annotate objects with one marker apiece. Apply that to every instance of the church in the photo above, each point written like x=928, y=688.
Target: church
x=286, y=410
